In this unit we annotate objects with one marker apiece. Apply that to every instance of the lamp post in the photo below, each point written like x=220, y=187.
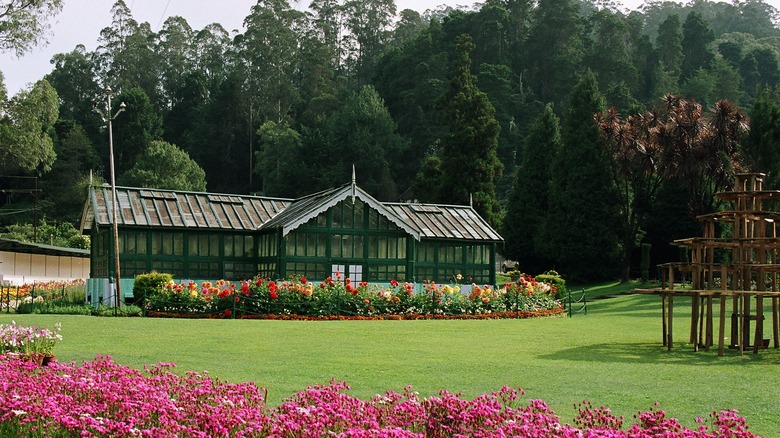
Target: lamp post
x=114, y=200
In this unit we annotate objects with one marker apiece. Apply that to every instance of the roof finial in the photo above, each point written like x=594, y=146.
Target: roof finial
x=471, y=200
x=354, y=185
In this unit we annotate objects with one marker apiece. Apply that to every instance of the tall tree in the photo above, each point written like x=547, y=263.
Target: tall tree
x=555, y=49
x=669, y=43
x=528, y=204
x=25, y=121
x=74, y=78
x=469, y=160
x=762, y=146
x=697, y=36
x=134, y=129
x=582, y=216
x=280, y=151
x=66, y=185
x=369, y=23
x=176, y=46
x=363, y=134
x=23, y=23
x=164, y=166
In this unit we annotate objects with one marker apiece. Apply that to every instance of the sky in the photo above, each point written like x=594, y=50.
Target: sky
x=80, y=22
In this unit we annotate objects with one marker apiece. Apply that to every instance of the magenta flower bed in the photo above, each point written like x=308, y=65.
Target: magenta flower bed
x=102, y=398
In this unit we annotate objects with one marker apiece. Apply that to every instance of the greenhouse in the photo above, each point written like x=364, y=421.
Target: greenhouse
x=208, y=236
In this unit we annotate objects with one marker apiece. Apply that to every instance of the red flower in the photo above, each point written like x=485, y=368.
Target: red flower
x=394, y=283
x=303, y=280
x=238, y=299
x=228, y=313
x=273, y=295
x=272, y=287
x=245, y=288
x=259, y=282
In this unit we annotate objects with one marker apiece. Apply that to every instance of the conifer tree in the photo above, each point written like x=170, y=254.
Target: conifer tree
x=581, y=233
x=470, y=162
x=527, y=206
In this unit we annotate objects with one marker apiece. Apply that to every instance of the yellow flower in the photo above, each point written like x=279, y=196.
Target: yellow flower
x=194, y=294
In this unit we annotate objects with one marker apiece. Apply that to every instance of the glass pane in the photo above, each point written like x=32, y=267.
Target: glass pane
x=213, y=245
x=300, y=245
x=311, y=245
x=228, y=243
x=289, y=244
x=249, y=246
x=127, y=243
x=141, y=242
x=335, y=245
x=373, y=249
x=359, y=209
x=336, y=216
x=178, y=244
x=402, y=247
x=373, y=220
x=321, y=245
x=347, y=246
x=358, y=246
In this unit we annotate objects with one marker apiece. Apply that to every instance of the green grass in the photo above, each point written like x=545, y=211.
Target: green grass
x=612, y=356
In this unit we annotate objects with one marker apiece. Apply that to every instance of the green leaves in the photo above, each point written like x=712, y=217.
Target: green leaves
x=24, y=140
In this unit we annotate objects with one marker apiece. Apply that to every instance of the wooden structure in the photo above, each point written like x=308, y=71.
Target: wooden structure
x=737, y=259
x=210, y=236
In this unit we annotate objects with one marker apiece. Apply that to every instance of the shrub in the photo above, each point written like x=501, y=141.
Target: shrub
x=555, y=280
x=148, y=285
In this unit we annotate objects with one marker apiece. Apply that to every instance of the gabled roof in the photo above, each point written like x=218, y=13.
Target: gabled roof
x=199, y=210
x=168, y=208
x=309, y=207
x=445, y=221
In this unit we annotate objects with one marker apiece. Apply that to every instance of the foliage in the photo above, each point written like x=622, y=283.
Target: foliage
x=28, y=340
x=209, y=90
x=57, y=234
x=527, y=208
x=115, y=400
x=337, y=297
x=582, y=215
x=23, y=23
x=164, y=166
x=25, y=120
x=555, y=280
x=148, y=285
x=761, y=149
x=469, y=160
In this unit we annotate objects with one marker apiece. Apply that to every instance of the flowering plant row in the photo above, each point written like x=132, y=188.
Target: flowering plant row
x=337, y=296
x=28, y=340
x=102, y=398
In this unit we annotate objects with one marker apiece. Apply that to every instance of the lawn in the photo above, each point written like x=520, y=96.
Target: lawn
x=612, y=356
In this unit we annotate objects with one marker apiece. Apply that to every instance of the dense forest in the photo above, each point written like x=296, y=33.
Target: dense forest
x=579, y=130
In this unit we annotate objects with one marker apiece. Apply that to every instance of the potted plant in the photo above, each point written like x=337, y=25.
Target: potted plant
x=35, y=344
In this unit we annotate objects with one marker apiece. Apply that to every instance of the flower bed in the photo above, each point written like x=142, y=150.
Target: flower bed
x=337, y=298
x=102, y=398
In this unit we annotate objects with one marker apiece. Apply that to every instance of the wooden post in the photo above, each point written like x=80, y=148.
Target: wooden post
x=722, y=324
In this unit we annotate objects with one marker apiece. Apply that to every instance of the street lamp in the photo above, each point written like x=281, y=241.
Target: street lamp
x=114, y=200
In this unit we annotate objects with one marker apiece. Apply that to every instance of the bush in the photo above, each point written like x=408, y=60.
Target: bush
x=148, y=285
x=555, y=280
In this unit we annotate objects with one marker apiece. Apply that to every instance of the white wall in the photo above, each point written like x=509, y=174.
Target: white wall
x=20, y=268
